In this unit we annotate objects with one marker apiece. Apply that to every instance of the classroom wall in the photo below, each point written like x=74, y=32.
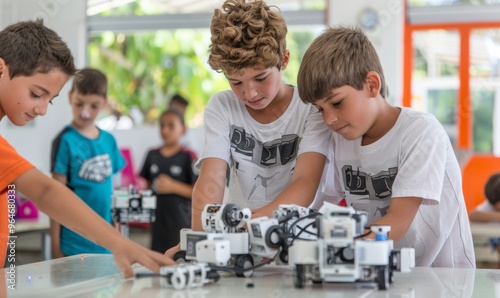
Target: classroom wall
x=68, y=18
x=386, y=37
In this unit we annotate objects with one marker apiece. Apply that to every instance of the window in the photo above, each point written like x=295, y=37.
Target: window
x=419, y=3
x=485, y=87
x=435, y=76
x=149, y=56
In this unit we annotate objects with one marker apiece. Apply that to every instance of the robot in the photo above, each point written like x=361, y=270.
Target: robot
x=188, y=275
x=223, y=240
x=130, y=205
x=322, y=246
x=340, y=255
x=185, y=275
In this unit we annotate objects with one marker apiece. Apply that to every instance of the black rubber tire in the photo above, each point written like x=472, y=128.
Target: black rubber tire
x=382, y=277
x=284, y=256
x=179, y=256
x=226, y=218
x=242, y=262
x=299, y=276
x=274, y=230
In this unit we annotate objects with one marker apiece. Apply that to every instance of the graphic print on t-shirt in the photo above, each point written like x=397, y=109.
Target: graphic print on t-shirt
x=262, y=162
x=96, y=169
x=276, y=152
x=375, y=190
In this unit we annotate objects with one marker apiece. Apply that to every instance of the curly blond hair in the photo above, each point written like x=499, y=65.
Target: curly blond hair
x=246, y=35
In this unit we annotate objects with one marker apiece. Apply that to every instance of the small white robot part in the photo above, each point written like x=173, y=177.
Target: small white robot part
x=187, y=275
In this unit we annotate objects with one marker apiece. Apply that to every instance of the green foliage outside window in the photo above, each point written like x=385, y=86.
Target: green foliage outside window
x=482, y=126
x=146, y=68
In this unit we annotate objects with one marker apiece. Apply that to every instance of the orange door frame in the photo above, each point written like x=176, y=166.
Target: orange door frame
x=477, y=170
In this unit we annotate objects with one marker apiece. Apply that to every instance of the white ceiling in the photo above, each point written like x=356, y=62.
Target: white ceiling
x=188, y=6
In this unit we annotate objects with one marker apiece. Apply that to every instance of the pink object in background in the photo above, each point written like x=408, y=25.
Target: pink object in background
x=25, y=209
x=128, y=176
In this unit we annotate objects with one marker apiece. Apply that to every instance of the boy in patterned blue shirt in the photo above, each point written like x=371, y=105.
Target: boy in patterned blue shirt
x=84, y=158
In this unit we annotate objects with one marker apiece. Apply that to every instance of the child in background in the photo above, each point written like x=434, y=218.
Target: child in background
x=179, y=103
x=169, y=171
x=395, y=163
x=189, y=139
x=84, y=158
x=489, y=210
x=35, y=64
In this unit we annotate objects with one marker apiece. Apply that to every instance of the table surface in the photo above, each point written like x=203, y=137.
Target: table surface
x=98, y=276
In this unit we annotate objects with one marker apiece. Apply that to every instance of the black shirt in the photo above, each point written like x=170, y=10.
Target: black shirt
x=173, y=212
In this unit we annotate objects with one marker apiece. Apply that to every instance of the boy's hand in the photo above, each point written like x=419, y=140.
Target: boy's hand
x=171, y=251
x=127, y=253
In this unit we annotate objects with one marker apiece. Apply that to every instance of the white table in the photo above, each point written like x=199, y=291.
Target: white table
x=97, y=276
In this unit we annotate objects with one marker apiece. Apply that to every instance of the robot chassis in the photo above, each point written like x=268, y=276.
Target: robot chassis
x=225, y=242
x=130, y=205
x=340, y=255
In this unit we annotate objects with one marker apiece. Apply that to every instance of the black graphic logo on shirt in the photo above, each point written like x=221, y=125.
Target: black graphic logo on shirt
x=96, y=169
x=266, y=163
x=242, y=142
x=279, y=151
x=376, y=187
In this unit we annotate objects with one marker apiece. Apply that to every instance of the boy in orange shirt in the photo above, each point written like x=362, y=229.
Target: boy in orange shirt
x=35, y=63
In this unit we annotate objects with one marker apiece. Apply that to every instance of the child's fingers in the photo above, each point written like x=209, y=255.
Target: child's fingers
x=149, y=263
x=171, y=251
x=162, y=177
x=162, y=259
x=124, y=266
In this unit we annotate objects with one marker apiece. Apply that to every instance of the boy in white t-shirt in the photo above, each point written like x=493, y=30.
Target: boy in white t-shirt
x=274, y=145
x=489, y=210
x=395, y=163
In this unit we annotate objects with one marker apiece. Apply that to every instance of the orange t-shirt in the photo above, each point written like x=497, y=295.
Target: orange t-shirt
x=12, y=165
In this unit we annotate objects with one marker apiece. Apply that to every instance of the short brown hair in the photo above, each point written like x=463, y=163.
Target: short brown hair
x=90, y=81
x=175, y=112
x=246, y=35
x=178, y=98
x=340, y=56
x=29, y=47
x=492, y=189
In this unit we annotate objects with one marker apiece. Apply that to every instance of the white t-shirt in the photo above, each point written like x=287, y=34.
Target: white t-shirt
x=414, y=159
x=261, y=156
x=485, y=207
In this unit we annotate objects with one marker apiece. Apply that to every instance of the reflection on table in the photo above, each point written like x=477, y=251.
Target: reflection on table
x=98, y=276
